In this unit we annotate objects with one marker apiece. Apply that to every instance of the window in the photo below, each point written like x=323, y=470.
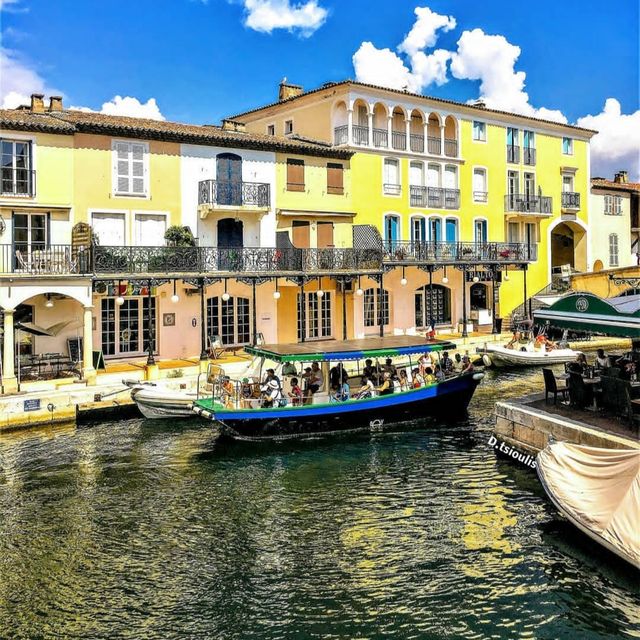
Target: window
x=150, y=229
x=418, y=229
x=613, y=249
x=271, y=129
x=433, y=175
x=608, y=205
x=480, y=227
x=528, y=139
x=288, y=127
x=229, y=319
x=435, y=229
x=567, y=146
x=451, y=230
x=617, y=205
x=450, y=177
x=513, y=150
x=529, y=186
x=295, y=174
x=391, y=177
x=513, y=232
x=391, y=230
x=335, y=178
x=567, y=184
x=529, y=151
x=479, y=185
x=513, y=183
x=432, y=302
x=16, y=168
x=130, y=168
x=531, y=234
x=376, y=307
x=416, y=174
x=479, y=131
x=317, y=315
x=30, y=233
x=125, y=328
x=109, y=228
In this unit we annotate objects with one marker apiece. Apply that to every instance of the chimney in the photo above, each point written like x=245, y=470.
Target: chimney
x=233, y=125
x=37, y=103
x=621, y=177
x=480, y=103
x=55, y=103
x=288, y=90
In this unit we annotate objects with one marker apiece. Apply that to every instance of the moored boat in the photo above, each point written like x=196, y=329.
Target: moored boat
x=598, y=490
x=528, y=355
x=156, y=402
x=323, y=414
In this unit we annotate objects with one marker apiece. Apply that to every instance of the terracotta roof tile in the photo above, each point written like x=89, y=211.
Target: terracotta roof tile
x=619, y=186
x=25, y=120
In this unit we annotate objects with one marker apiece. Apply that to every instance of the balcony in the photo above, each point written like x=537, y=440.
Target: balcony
x=522, y=203
x=434, y=197
x=341, y=135
x=399, y=140
x=529, y=156
x=434, y=146
x=392, y=189
x=18, y=183
x=480, y=196
x=416, y=143
x=215, y=193
x=450, y=148
x=513, y=153
x=45, y=260
x=570, y=200
x=474, y=253
x=380, y=138
x=360, y=135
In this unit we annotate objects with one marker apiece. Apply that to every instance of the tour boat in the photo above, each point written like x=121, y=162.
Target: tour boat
x=246, y=420
x=598, y=490
x=527, y=355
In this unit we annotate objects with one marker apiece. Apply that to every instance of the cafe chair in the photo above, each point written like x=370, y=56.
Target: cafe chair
x=552, y=385
x=579, y=395
x=216, y=349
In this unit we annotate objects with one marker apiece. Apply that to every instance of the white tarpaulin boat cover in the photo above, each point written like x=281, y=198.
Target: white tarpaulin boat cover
x=598, y=490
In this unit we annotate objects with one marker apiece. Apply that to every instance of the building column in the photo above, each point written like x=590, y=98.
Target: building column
x=370, y=125
x=441, y=139
x=88, y=371
x=389, y=132
x=407, y=128
x=9, y=380
x=349, y=127
x=425, y=125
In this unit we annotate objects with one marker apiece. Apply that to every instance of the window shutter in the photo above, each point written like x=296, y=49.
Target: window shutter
x=137, y=169
x=295, y=175
x=335, y=178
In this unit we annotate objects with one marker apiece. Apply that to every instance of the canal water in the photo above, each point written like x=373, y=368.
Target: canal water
x=137, y=529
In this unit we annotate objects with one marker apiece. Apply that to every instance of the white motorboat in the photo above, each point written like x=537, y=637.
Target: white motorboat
x=598, y=490
x=527, y=355
x=156, y=401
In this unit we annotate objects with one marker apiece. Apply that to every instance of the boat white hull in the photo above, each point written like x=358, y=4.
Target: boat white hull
x=503, y=357
x=155, y=403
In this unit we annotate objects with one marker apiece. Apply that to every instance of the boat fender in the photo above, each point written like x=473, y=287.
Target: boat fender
x=487, y=360
x=478, y=376
x=523, y=349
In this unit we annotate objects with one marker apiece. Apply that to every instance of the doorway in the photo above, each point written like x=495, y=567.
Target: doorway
x=229, y=179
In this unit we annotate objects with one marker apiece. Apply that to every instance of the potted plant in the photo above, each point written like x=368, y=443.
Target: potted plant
x=179, y=236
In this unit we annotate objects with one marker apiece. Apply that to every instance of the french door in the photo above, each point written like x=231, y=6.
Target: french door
x=229, y=320
x=125, y=328
x=229, y=179
x=30, y=233
x=317, y=322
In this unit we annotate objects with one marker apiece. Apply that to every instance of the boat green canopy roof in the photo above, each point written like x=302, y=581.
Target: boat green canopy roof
x=337, y=350
x=586, y=312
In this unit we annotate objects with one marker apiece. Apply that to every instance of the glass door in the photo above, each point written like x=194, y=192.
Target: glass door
x=481, y=231
x=435, y=230
x=451, y=230
x=30, y=237
x=418, y=230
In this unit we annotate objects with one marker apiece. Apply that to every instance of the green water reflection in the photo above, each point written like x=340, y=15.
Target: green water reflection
x=134, y=529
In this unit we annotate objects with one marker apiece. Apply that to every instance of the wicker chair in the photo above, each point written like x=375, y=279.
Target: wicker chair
x=552, y=385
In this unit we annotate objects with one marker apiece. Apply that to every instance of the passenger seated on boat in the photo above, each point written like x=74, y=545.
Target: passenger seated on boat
x=428, y=377
x=438, y=373
x=446, y=362
x=341, y=394
x=389, y=368
x=366, y=390
x=317, y=378
x=544, y=344
x=514, y=343
x=370, y=371
x=228, y=393
x=403, y=380
x=417, y=379
x=337, y=377
x=423, y=363
x=271, y=393
x=468, y=365
x=457, y=363
x=296, y=392
x=246, y=390
x=386, y=388
x=289, y=369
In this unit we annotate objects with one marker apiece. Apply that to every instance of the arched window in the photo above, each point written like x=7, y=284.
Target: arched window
x=441, y=310
x=229, y=320
x=613, y=249
x=376, y=306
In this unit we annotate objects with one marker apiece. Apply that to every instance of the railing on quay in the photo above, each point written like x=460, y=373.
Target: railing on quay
x=460, y=252
x=241, y=194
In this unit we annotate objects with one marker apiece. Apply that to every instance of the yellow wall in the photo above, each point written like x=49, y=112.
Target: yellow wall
x=93, y=181
x=599, y=283
x=315, y=198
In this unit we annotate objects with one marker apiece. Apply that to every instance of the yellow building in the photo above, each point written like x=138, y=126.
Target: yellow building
x=462, y=191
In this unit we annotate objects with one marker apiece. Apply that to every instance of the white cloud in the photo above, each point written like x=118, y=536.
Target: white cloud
x=617, y=144
x=424, y=32
x=491, y=59
x=19, y=81
x=12, y=6
x=127, y=106
x=267, y=15
x=380, y=66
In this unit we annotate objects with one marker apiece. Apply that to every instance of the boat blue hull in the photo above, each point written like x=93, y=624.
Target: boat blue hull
x=449, y=398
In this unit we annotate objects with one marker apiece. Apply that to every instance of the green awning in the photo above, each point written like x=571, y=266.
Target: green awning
x=585, y=312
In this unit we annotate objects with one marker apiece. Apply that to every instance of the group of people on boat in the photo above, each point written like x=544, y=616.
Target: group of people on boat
x=520, y=341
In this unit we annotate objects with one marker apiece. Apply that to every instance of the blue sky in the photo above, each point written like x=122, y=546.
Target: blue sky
x=202, y=60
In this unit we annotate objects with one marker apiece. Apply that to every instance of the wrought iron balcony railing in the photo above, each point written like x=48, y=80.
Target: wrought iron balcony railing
x=434, y=197
x=523, y=203
x=41, y=259
x=360, y=134
x=380, y=138
x=240, y=194
x=16, y=182
x=434, y=145
x=392, y=189
x=480, y=196
x=459, y=252
x=513, y=153
x=570, y=200
x=529, y=156
x=399, y=140
x=450, y=148
x=416, y=143
x=341, y=135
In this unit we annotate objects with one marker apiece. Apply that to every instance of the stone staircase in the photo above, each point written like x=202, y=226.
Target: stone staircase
x=543, y=298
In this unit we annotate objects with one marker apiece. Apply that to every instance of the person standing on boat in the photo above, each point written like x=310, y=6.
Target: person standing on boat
x=228, y=393
x=389, y=368
x=271, y=390
x=369, y=370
